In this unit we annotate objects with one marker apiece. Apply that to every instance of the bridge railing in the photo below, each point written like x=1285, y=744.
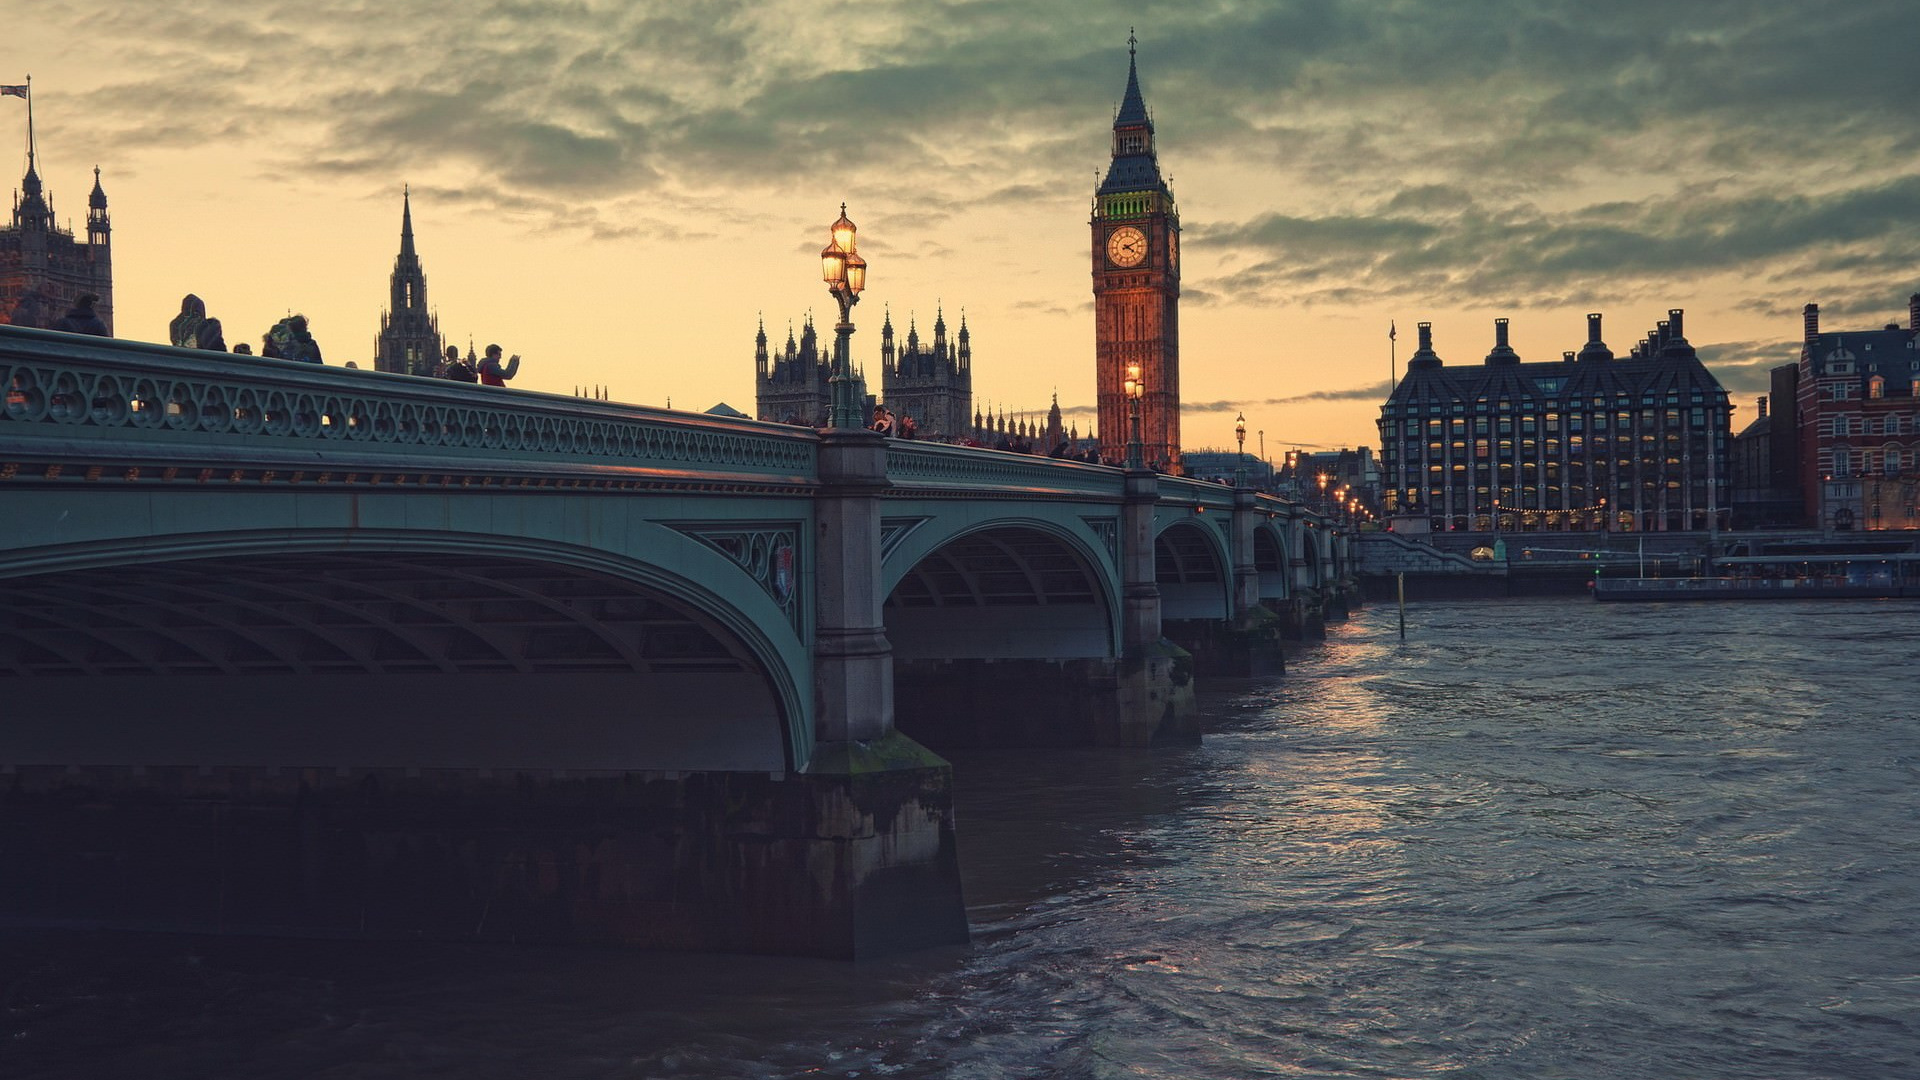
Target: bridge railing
x=937, y=466
x=119, y=395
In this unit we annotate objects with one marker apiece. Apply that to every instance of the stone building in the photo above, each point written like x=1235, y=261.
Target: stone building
x=409, y=342
x=1858, y=418
x=1585, y=442
x=1766, y=459
x=930, y=382
x=45, y=268
x=1136, y=288
x=792, y=386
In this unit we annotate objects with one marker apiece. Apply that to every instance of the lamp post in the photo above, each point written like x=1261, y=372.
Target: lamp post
x=1240, y=462
x=1136, y=388
x=846, y=276
x=1323, y=492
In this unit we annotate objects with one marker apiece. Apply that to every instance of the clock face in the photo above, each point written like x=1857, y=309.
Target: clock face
x=1127, y=246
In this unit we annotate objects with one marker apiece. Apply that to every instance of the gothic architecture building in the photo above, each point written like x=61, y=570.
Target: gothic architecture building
x=930, y=382
x=1136, y=288
x=45, y=268
x=792, y=386
x=1857, y=415
x=1585, y=442
x=409, y=341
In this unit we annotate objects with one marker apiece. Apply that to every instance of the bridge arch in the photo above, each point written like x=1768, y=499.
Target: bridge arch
x=1006, y=588
x=1192, y=569
x=344, y=648
x=1270, y=561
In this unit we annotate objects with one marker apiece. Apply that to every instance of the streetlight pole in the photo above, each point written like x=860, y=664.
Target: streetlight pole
x=1240, y=462
x=1136, y=388
x=846, y=276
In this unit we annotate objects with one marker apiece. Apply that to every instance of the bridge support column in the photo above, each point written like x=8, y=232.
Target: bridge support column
x=1151, y=696
x=873, y=855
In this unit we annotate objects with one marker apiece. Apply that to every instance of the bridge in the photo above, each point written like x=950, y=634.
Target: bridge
x=300, y=649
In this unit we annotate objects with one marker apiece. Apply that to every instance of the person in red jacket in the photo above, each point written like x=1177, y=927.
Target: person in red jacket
x=493, y=373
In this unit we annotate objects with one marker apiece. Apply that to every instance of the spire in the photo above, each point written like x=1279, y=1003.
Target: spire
x=406, y=221
x=97, y=200
x=1133, y=107
x=1134, y=166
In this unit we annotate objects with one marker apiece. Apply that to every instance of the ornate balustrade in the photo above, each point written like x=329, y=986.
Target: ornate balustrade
x=67, y=388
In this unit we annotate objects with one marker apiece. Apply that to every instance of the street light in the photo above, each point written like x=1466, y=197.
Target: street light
x=1240, y=463
x=846, y=276
x=1136, y=388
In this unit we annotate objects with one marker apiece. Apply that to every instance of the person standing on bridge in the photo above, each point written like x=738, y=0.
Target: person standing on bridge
x=455, y=368
x=492, y=373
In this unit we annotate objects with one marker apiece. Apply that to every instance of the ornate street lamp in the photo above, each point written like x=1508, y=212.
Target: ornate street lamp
x=1240, y=462
x=1136, y=388
x=846, y=276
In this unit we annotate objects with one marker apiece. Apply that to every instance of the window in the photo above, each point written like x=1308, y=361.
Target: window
x=1876, y=387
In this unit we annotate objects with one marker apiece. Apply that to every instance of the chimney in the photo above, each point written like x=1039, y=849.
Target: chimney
x=1500, y=333
x=1595, y=349
x=1761, y=404
x=1567, y=357
x=1811, y=314
x=1662, y=333
x=1913, y=312
x=1426, y=335
x=1673, y=320
x=1593, y=327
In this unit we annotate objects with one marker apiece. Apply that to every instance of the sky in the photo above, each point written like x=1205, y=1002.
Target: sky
x=620, y=190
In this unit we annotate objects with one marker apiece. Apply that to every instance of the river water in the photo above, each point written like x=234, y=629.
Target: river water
x=1535, y=839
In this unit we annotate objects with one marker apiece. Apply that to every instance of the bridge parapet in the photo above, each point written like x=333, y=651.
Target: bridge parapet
x=216, y=408
x=938, y=467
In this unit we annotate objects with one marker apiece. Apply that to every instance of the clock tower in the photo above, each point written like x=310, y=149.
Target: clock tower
x=1136, y=287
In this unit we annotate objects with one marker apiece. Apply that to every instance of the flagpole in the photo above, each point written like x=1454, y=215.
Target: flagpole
x=1393, y=357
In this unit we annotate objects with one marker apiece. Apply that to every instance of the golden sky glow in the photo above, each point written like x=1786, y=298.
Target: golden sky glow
x=618, y=190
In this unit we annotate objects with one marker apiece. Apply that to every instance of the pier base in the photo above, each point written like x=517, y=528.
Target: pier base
x=1134, y=701
x=854, y=858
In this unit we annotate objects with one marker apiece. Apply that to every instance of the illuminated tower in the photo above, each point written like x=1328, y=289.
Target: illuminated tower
x=1136, y=287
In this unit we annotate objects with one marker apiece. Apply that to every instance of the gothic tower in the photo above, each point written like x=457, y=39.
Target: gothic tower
x=1136, y=287
x=409, y=341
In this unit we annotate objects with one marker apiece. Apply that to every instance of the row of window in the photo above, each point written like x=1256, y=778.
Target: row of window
x=1529, y=423
x=1842, y=461
x=1891, y=424
x=1435, y=407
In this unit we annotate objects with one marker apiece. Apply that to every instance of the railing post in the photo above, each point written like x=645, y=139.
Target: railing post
x=852, y=660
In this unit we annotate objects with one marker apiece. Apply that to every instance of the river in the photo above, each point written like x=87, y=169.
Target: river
x=1536, y=839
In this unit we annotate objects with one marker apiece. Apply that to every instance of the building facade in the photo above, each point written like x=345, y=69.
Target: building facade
x=794, y=385
x=1587, y=442
x=1858, y=420
x=931, y=382
x=409, y=342
x=1136, y=288
x=45, y=268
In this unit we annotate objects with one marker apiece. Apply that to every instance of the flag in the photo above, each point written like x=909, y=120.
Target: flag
x=13, y=91
x=1392, y=334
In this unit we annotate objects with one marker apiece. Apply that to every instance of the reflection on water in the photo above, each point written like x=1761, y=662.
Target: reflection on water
x=1536, y=839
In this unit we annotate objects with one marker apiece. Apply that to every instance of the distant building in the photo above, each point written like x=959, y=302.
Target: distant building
x=1766, y=459
x=1858, y=419
x=45, y=268
x=1585, y=442
x=930, y=382
x=409, y=341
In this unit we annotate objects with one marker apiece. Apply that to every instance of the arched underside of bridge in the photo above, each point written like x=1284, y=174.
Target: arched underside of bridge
x=1001, y=593
x=1191, y=574
x=1270, y=562
x=371, y=658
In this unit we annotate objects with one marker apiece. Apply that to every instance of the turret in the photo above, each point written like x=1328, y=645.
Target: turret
x=966, y=342
x=760, y=348
x=98, y=225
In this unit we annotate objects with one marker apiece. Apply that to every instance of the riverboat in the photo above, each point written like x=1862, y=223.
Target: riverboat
x=1779, y=577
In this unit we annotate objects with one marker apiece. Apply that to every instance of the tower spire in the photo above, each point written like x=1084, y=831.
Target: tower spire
x=406, y=221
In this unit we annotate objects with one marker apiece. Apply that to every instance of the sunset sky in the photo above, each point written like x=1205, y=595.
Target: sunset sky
x=618, y=190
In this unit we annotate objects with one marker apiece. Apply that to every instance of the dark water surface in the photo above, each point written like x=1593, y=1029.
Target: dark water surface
x=1538, y=839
